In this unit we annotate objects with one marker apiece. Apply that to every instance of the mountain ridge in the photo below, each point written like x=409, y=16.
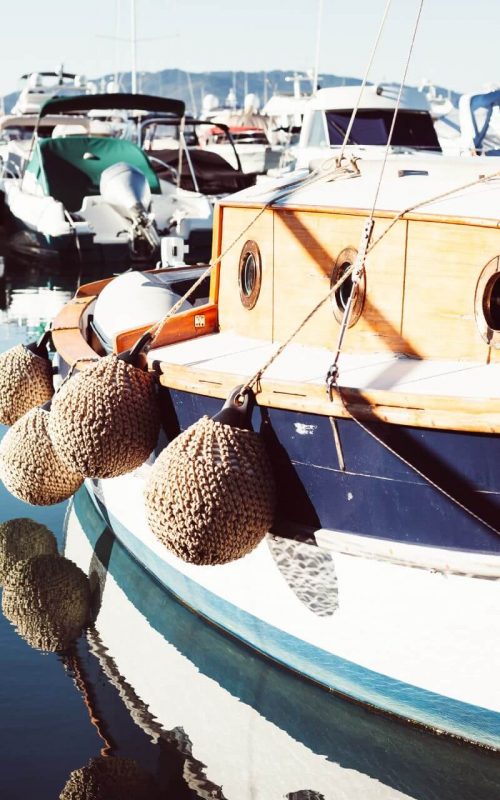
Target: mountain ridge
x=191, y=87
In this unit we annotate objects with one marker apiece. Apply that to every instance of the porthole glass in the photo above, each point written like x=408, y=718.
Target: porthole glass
x=487, y=303
x=343, y=294
x=250, y=274
x=340, y=298
x=491, y=302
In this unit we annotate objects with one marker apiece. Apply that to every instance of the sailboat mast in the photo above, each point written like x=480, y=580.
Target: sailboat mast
x=318, y=42
x=133, y=39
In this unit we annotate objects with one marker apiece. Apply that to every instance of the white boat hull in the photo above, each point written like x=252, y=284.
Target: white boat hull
x=419, y=643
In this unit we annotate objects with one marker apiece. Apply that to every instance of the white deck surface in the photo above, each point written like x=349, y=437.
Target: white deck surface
x=230, y=353
x=407, y=181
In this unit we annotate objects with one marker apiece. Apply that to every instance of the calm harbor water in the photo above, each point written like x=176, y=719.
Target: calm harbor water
x=150, y=681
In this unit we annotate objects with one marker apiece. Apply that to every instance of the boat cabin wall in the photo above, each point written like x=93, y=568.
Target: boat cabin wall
x=421, y=295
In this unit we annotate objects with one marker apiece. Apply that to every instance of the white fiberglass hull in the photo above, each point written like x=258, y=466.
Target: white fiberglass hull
x=419, y=643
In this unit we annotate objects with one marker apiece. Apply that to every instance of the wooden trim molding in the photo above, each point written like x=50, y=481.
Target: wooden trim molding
x=450, y=219
x=396, y=408
x=190, y=324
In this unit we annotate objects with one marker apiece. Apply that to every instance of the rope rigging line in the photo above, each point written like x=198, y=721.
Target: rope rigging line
x=482, y=179
x=410, y=465
x=364, y=81
x=290, y=188
x=257, y=375
x=366, y=248
x=398, y=102
x=357, y=269
x=368, y=229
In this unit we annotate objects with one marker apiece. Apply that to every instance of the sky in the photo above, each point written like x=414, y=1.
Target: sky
x=456, y=44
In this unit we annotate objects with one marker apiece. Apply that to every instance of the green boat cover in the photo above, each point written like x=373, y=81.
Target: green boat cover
x=69, y=168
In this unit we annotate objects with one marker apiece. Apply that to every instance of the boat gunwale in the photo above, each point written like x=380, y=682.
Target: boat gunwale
x=466, y=414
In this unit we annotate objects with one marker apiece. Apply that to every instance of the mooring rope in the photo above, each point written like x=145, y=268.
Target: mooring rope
x=368, y=229
x=290, y=188
x=364, y=81
x=398, y=102
x=412, y=466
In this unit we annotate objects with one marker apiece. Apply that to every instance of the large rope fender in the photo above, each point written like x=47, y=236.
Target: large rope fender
x=210, y=496
x=25, y=380
x=105, y=420
x=29, y=465
x=110, y=778
x=21, y=539
x=47, y=598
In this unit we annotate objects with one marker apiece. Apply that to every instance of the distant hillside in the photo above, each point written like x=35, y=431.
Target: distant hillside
x=192, y=87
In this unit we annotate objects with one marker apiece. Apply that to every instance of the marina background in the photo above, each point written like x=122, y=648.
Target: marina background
x=456, y=45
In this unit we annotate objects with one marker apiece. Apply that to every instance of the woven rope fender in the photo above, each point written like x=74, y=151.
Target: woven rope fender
x=47, y=598
x=110, y=778
x=30, y=467
x=21, y=539
x=105, y=421
x=210, y=496
x=25, y=382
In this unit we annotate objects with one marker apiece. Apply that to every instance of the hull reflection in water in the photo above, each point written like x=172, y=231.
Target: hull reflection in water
x=241, y=726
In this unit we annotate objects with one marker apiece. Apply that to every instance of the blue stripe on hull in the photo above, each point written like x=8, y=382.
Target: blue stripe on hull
x=377, y=495
x=388, y=694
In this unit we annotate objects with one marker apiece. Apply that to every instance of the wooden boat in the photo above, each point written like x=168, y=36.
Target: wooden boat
x=379, y=579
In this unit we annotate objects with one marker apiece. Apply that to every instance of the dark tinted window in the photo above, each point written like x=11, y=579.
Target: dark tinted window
x=412, y=129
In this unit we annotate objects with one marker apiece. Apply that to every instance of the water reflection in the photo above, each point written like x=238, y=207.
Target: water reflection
x=244, y=727
x=47, y=598
x=30, y=296
x=110, y=779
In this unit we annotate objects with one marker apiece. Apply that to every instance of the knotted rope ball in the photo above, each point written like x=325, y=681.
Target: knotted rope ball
x=110, y=778
x=105, y=420
x=25, y=382
x=210, y=496
x=21, y=539
x=47, y=598
x=29, y=465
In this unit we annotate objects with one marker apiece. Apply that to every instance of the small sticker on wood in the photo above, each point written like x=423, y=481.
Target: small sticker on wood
x=199, y=320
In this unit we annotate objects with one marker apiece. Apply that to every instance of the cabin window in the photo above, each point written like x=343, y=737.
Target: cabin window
x=413, y=129
x=340, y=298
x=250, y=274
x=487, y=303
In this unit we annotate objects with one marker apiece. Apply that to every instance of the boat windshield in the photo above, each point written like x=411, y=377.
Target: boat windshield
x=371, y=127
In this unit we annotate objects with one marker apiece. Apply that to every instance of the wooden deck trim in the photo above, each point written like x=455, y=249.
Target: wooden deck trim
x=92, y=289
x=397, y=408
x=345, y=211
x=216, y=251
x=182, y=326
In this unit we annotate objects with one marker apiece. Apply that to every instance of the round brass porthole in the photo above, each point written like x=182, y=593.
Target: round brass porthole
x=340, y=298
x=487, y=303
x=250, y=274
